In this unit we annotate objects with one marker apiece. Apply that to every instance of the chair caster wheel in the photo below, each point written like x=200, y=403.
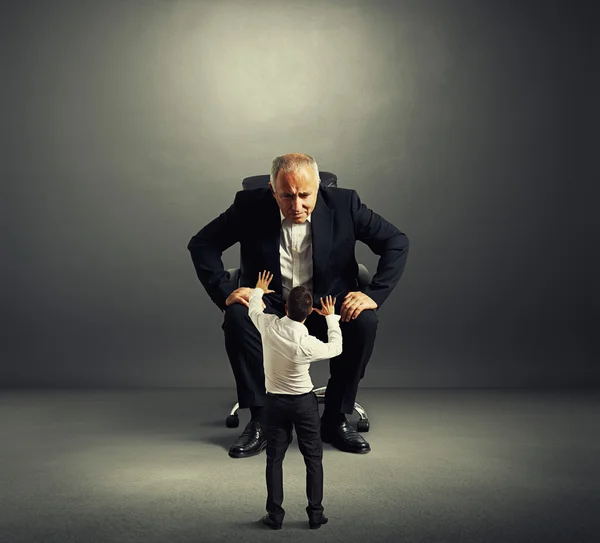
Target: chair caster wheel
x=362, y=425
x=233, y=421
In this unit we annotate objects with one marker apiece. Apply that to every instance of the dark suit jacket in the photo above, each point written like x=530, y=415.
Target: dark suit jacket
x=338, y=220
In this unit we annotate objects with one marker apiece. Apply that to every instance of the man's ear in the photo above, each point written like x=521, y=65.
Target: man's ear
x=272, y=188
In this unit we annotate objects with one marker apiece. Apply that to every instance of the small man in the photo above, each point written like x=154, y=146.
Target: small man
x=288, y=351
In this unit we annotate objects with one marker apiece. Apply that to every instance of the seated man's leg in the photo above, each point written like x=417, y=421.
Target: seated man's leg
x=244, y=349
x=347, y=370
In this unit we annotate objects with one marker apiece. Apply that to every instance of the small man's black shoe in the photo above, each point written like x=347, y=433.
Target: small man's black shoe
x=268, y=521
x=315, y=525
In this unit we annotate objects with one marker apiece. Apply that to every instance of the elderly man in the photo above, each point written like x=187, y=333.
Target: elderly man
x=305, y=235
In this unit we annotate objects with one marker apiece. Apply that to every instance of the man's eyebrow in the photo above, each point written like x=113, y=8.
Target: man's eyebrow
x=303, y=193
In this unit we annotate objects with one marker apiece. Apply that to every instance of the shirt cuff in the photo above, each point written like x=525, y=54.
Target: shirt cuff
x=331, y=319
x=257, y=293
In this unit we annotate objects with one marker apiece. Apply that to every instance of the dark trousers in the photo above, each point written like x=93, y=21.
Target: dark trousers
x=244, y=349
x=301, y=411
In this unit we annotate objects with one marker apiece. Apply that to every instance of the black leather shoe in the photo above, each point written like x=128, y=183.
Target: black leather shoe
x=344, y=437
x=268, y=521
x=315, y=525
x=251, y=441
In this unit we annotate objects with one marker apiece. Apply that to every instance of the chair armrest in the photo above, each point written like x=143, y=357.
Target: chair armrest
x=235, y=276
x=364, y=277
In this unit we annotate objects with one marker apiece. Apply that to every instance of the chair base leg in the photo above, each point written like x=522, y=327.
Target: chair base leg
x=234, y=411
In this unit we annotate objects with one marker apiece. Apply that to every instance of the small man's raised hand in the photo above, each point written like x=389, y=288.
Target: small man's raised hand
x=328, y=306
x=264, y=279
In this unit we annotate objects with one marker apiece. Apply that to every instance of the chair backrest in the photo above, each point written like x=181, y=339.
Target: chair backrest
x=328, y=179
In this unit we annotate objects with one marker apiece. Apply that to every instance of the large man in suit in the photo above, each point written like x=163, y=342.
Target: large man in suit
x=305, y=235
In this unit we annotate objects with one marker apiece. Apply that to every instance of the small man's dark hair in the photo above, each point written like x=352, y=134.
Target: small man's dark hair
x=299, y=303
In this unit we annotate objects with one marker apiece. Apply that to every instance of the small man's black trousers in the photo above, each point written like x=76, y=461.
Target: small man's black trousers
x=301, y=412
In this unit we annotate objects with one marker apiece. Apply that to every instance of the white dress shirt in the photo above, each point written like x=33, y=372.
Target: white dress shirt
x=288, y=348
x=295, y=255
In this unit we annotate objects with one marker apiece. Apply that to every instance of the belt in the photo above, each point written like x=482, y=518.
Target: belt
x=278, y=395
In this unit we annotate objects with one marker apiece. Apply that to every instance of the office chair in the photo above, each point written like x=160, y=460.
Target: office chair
x=328, y=179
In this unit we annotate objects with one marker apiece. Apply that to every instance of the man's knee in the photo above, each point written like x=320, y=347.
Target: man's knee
x=235, y=316
x=365, y=323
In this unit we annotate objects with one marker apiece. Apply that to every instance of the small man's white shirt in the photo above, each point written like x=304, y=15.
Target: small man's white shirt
x=288, y=348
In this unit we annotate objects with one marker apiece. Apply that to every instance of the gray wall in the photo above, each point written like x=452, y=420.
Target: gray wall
x=130, y=125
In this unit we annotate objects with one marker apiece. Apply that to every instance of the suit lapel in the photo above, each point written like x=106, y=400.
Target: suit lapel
x=321, y=229
x=271, y=246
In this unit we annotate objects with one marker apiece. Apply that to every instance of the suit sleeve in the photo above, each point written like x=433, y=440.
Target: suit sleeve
x=386, y=241
x=207, y=247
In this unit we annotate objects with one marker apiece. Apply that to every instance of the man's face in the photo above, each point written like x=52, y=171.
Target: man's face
x=296, y=193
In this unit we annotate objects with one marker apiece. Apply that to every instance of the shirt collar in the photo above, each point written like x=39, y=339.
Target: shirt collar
x=308, y=219
x=293, y=324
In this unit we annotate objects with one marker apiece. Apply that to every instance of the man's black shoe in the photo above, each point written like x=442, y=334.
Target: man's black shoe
x=268, y=521
x=251, y=441
x=315, y=525
x=344, y=437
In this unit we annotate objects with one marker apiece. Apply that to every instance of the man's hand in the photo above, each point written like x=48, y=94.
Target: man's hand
x=264, y=279
x=354, y=303
x=328, y=306
x=241, y=296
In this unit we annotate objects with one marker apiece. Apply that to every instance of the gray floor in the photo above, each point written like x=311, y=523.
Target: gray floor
x=446, y=466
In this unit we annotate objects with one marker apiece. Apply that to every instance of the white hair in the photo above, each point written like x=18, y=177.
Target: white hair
x=292, y=163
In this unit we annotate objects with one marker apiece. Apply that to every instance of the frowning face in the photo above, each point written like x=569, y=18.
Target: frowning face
x=296, y=193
